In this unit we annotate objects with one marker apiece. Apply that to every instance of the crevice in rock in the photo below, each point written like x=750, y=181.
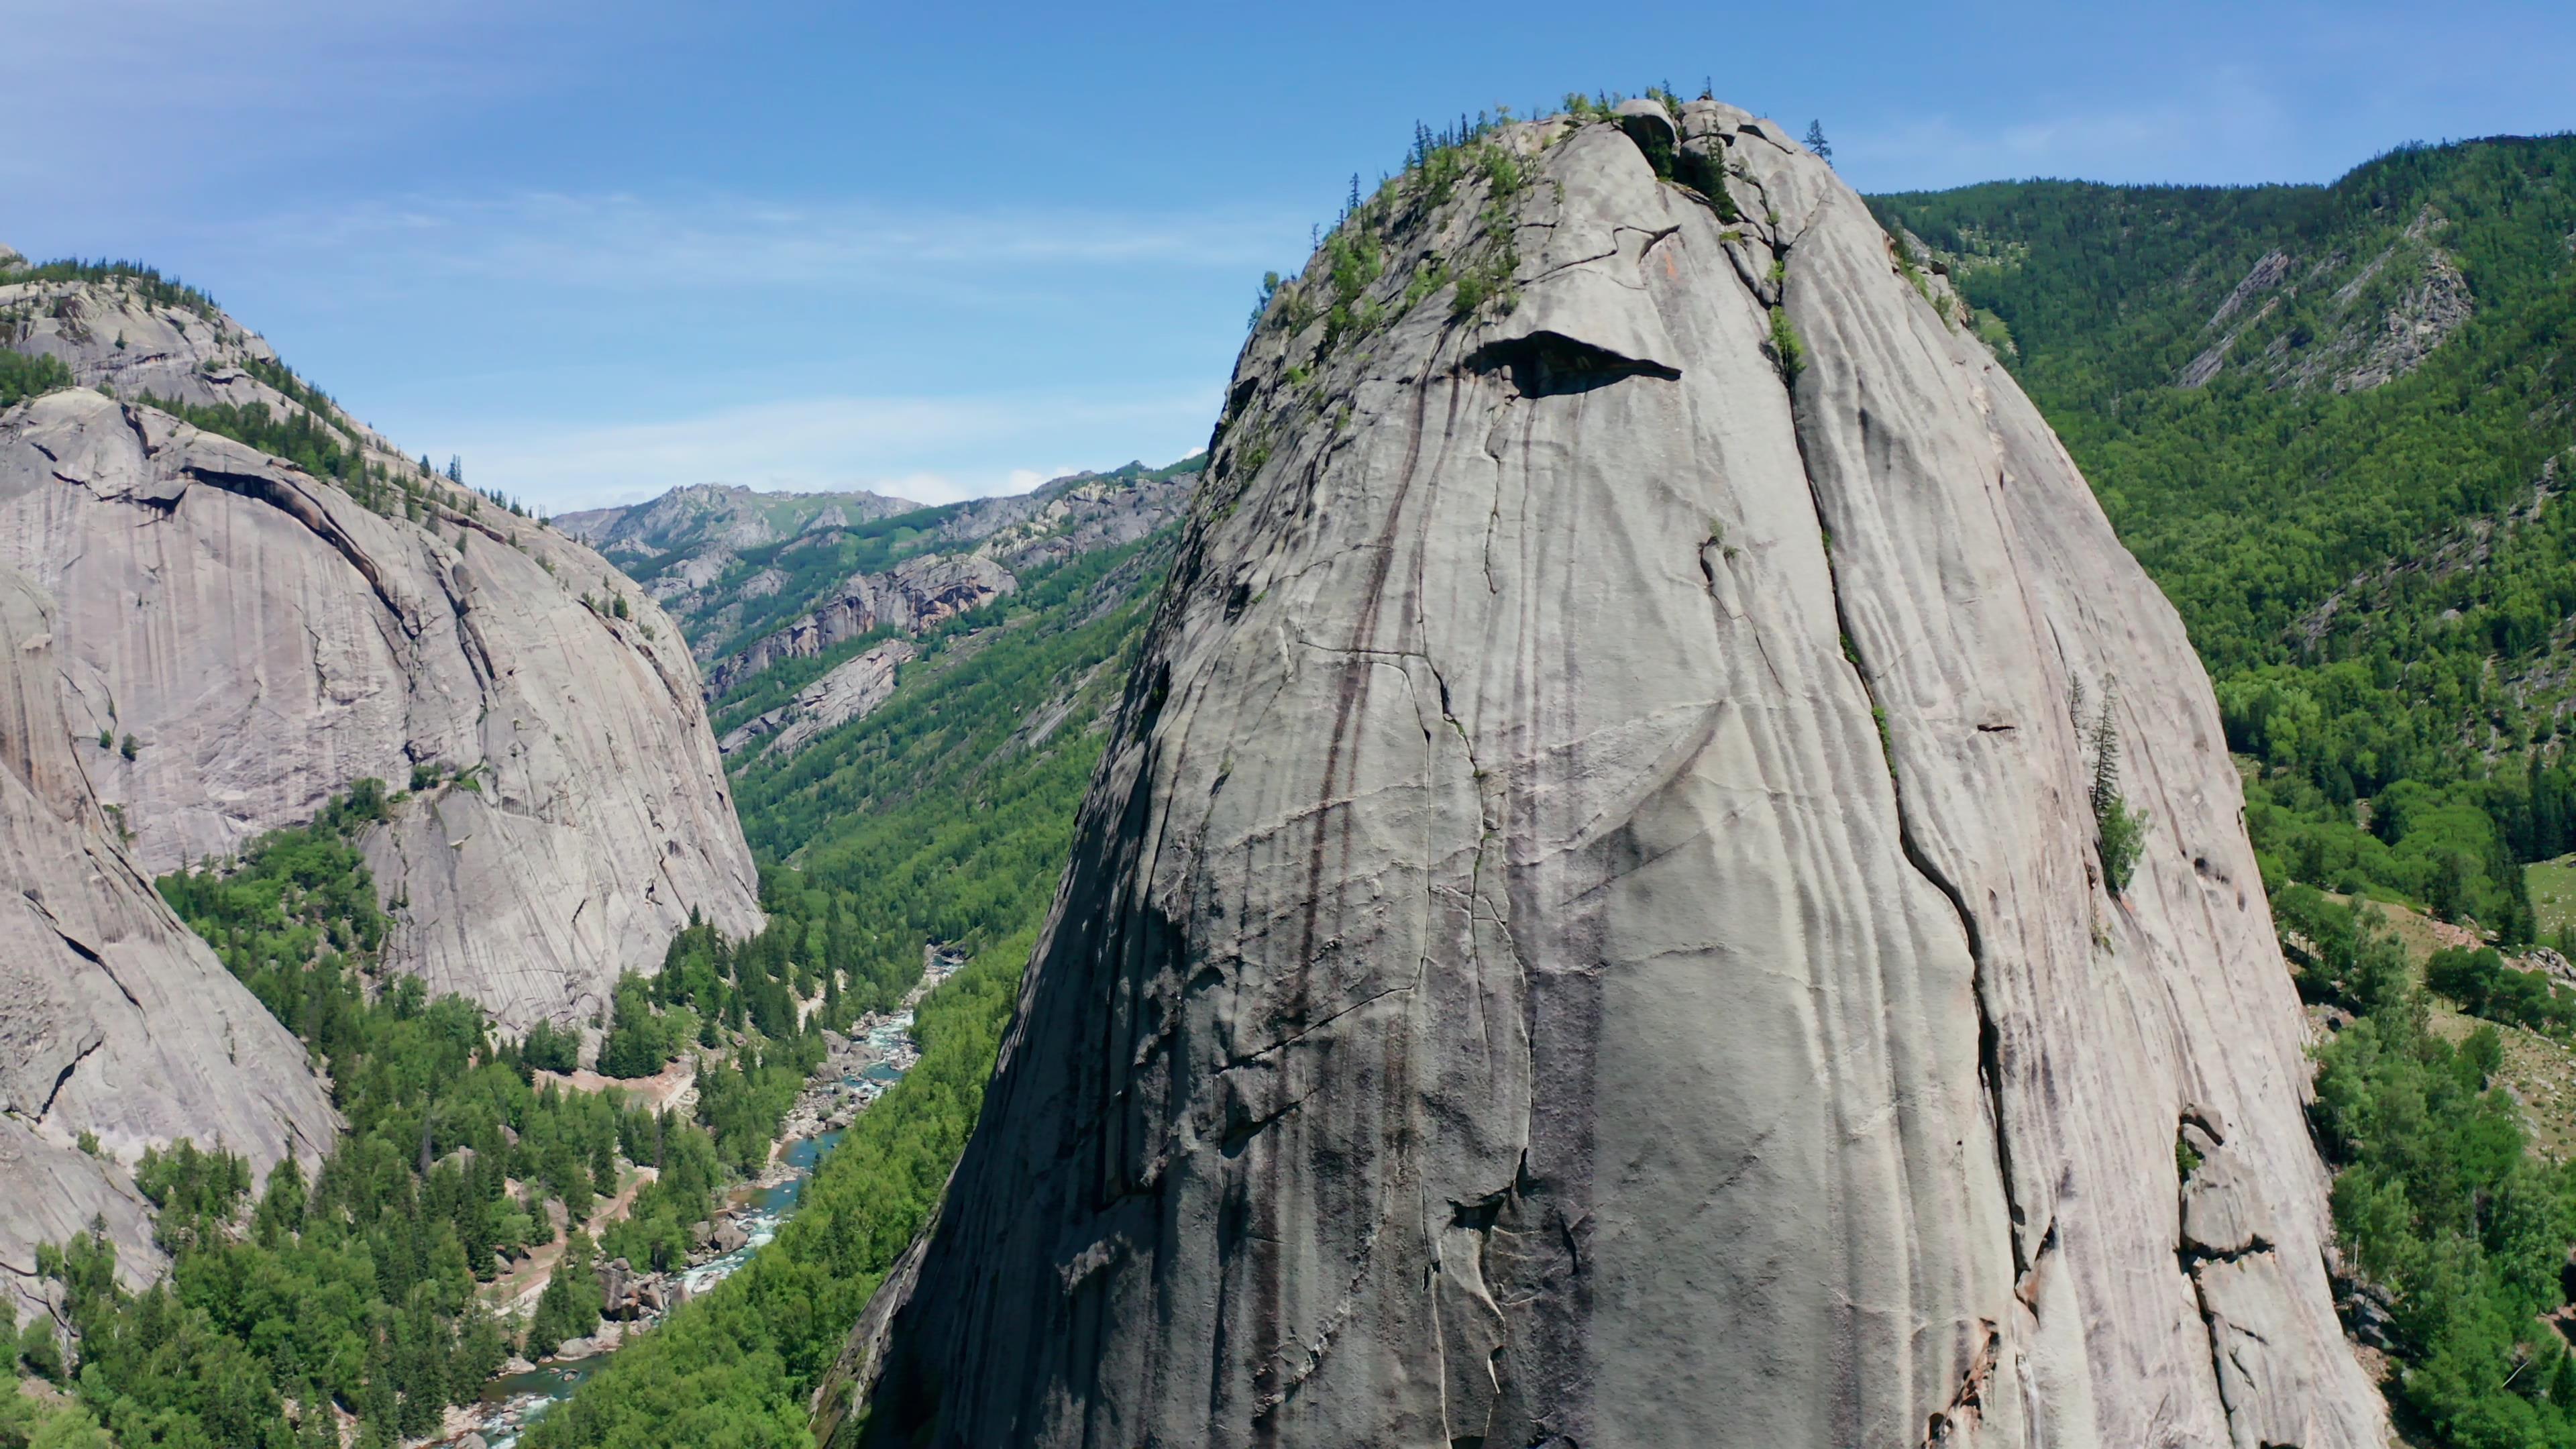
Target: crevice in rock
x=2193, y=1259
x=1309, y=1030
x=1569, y=265
x=2026, y=1287
x=1966, y=1407
x=1322, y=1346
x=1551, y=364
x=1990, y=1072
x=64, y=1077
x=1241, y=1130
x=478, y=654
x=1989, y=1037
x=303, y=510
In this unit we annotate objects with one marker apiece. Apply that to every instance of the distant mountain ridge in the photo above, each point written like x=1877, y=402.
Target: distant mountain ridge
x=727, y=515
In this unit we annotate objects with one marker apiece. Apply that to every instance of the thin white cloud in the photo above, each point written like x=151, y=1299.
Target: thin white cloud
x=930, y=449
x=628, y=242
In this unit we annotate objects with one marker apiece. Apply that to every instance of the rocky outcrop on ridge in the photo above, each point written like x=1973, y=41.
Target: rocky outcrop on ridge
x=852, y=690
x=140, y=337
x=115, y=1020
x=1074, y=515
x=263, y=641
x=2382, y=319
x=1590, y=929
x=136, y=337
x=909, y=598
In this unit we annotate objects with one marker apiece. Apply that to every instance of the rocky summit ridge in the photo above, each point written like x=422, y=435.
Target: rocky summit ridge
x=1599, y=924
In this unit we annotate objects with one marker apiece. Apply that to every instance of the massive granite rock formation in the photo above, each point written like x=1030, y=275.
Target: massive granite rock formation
x=115, y=1020
x=1591, y=930
x=264, y=641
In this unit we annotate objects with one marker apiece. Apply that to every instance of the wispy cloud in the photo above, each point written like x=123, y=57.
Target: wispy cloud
x=623, y=241
x=930, y=449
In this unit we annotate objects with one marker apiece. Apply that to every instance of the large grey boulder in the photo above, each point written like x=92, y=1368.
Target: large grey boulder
x=265, y=641
x=1590, y=931
x=115, y=1020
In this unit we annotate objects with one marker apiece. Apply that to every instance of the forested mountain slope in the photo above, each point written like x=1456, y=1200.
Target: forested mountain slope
x=2334, y=423
x=447, y=635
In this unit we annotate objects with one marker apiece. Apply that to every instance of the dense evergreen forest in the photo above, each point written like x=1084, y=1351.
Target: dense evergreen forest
x=359, y=1287
x=2366, y=538
x=2374, y=567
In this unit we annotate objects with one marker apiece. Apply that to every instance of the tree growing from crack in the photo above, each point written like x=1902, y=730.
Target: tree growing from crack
x=2120, y=832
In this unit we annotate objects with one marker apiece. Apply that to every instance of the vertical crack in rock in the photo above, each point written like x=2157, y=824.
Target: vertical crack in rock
x=469, y=631
x=1967, y=1404
x=1989, y=1036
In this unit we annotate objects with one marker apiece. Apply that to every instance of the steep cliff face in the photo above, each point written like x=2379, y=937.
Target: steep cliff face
x=240, y=639
x=1591, y=928
x=115, y=1020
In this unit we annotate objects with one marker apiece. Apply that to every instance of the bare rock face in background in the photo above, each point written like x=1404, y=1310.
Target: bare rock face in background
x=264, y=641
x=115, y=1020
x=909, y=598
x=1590, y=929
x=852, y=690
x=715, y=555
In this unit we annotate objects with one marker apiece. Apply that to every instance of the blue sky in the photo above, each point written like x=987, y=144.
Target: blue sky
x=947, y=249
